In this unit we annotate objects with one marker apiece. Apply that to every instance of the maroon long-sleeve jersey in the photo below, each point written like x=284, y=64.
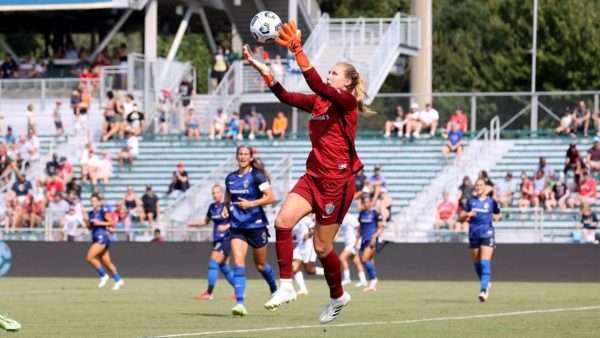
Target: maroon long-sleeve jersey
x=332, y=126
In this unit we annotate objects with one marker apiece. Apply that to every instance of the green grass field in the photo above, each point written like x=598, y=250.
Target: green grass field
x=152, y=307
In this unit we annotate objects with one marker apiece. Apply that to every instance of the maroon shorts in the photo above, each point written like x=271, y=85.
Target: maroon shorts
x=330, y=199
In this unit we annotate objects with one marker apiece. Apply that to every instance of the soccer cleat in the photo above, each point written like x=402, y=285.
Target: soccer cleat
x=204, y=296
x=372, y=286
x=483, y=296
x=361, y=284
x=239, y=310
x=9, y=324
x=103, y=280
x=302, y=292
x=333, y=309
x=118, y=285
x=346, y=282
x=284, y=294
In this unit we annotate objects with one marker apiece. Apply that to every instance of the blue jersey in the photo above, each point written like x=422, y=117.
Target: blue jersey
x=455, y=137
x=246, y=186
x=368, y=223
x=214, y=213
x=481, y=225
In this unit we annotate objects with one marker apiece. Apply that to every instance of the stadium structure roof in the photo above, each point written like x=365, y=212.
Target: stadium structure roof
x=56, y=5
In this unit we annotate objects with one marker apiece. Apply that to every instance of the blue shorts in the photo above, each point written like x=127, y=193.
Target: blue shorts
x=364, y=244
x=101, y=237
x=477, y=241
x=256, y=238
x=223, y=245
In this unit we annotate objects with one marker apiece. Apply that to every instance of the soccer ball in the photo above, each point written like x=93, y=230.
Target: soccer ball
x=264, y=26
x=5, y=258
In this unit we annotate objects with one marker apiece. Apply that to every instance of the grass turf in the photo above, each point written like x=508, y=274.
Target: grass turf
x=60, y=307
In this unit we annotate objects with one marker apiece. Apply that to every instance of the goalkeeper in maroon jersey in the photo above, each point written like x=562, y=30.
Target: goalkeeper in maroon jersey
x=328, y=186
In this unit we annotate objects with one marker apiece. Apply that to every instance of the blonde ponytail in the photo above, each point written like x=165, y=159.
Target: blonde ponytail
x=357, y=88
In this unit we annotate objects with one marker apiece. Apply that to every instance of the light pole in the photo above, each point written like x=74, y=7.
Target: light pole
x=534, y=99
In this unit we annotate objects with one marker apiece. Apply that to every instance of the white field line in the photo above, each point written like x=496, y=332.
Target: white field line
x=398, y=322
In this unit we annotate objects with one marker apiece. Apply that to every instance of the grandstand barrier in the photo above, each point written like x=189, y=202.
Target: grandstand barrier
x=512, y=262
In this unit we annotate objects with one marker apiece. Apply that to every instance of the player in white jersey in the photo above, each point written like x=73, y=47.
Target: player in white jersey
x=349, y=229
x=304, y=253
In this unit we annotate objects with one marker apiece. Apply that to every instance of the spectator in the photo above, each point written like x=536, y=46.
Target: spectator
x=7, y=165
x=151, y=206
x=65, y=169
x=505, y=190
x=446, y=212
x=587, y=190
x=280, y=124
x=218, y=125
x=593, y=155
x=133, y=204
x=219, y=68
x=180, y=182
x=21, y=188
x=52, y=165
x=459, y=118
x=135, y=122
x=110, y=119
x=73, y=188
x=278, y=69
x=192, y=125
x=54, y=185
x=76, y=102
x=30, y=116
x=466, y=191
x=130, y=152
x=31, y=147
x=411, y=122
x=527, y=194
x=57, y=209
x=361, y=181
x=545, y=167
x=256, y=123
x=10, y=138
x=165, y=107
x=157, y=238
x=105, y=169
x=428, y=118
x=582, y=117
x=123, y=218
x=9, y=67
x=58, y=125
x=539, y=187
x=32, y=211
x=589, y=223
x=87, y=156
x=573, y=161
x=396, y=125
x=455, y=142
x=235, y=126
x=72, y=224
x=377, y=182
x=560, y=194
x=567, y=123
x=186, y=91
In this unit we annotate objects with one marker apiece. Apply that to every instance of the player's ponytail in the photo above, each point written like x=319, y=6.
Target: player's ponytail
x=256, y=163
x=357, y=88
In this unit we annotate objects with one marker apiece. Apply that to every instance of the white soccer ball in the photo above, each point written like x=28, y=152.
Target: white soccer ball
x=264, y=26
x=5, y=258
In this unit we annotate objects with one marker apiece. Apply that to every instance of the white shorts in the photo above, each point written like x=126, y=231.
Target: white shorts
x=305, y=255
x=349, y=246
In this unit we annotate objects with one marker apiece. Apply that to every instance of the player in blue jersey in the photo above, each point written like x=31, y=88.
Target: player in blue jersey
x=247, y=190
x=100, y=224
x=221, y=243
x=371, y=226
x=481, y=211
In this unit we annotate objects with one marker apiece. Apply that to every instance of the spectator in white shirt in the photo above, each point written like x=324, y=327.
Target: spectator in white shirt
x=105, y=168
x=217, y=127
x=32, y=147
x=30, y=115
x=411, y=121
x=278, y=69
x=72, y=224
x=505, y=190
x=130, y=151
x=428, y=118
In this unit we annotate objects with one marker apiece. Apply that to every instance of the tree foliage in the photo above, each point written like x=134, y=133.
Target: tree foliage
x=194, y=49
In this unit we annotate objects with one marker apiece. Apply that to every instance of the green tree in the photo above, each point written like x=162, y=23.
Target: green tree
x=194, y=49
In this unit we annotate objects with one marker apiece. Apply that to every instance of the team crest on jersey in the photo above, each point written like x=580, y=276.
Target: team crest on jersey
x=329, y=208
x=246, y=184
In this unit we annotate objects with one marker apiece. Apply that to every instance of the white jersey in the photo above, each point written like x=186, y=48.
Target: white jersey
x=349, y=226
x=304, y=250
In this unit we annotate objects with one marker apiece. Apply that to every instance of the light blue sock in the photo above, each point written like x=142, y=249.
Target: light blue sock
x=117, y=277
x=371, y=271
x=213, y=274
x=477, y=266
x=239, y=277
x=228, y=273
x=486, y=273
x=268, y=275
x=101, y=271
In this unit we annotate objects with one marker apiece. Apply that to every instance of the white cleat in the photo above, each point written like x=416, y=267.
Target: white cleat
x=346, y=282
x=302, y=292
x=118, y=285
x=103, y=280
x=361, y=284
x=483, y=296
x=372, y=286
x=333, y=309
x=284, y=294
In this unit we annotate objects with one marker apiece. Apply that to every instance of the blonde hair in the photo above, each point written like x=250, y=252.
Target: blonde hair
x=357, y=88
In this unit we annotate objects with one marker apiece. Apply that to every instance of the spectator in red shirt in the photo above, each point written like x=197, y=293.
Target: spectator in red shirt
x=587, y=190
x=54, y=185
x=460, y=119
x=446, y=211
x=593, y=155
x=528, y=196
